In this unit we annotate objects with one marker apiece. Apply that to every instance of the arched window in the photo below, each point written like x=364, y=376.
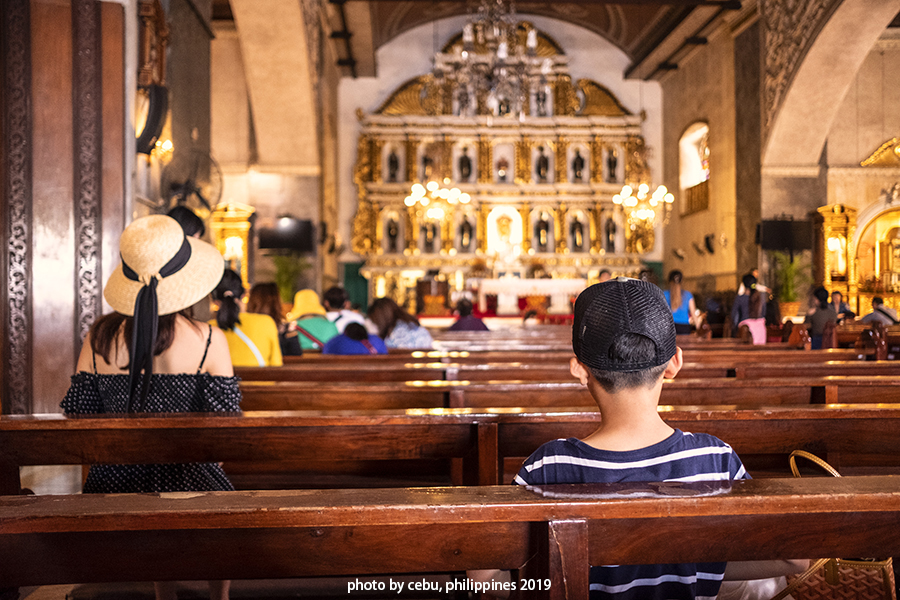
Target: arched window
x=694, y=168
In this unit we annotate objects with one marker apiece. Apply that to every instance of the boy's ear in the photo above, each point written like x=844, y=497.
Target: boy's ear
x=578, y=371
x=675, y=364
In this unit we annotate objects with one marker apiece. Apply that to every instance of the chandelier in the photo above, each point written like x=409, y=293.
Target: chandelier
x=436, y=201
x=643, y=209
x=496, y=68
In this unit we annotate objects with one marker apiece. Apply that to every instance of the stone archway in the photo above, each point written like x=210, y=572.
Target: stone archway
x=804, y=91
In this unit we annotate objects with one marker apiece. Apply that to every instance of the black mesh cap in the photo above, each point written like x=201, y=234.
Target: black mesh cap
x=606, y=310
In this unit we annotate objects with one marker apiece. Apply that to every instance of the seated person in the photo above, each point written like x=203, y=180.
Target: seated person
x=337, y=307
x=622, y=357
x=313, y=328
x=467, y=321
x=398, y=328
x=741, y=308
x=252, y=338
x=821, y=313
x=880, y=313
x=355, y=340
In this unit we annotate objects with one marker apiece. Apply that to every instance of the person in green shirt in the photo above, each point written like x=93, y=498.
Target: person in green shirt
x=313, y=327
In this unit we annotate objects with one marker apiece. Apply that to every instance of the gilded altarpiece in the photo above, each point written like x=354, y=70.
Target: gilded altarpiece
x=524, y=195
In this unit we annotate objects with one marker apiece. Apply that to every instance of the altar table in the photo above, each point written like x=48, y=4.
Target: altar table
x=509, y=289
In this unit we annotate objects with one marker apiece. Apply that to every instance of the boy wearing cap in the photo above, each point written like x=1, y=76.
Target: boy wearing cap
x=624, y=342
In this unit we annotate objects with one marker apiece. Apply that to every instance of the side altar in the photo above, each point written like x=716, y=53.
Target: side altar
x=520, y=178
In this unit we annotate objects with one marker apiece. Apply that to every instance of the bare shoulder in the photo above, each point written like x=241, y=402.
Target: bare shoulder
x=218, y=357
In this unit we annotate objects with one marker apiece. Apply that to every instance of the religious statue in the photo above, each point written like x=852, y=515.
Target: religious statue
x=502, y=169
x=542, y=166
x=576, y=232
x=612, y=161
x=393, y=233
x=427, y=166
x=504, y=107
x=465, y=166
x=578, y=166
x=393, y=166
x=429, y=230
x=462, y=102
x=465, y=235
x=542, y=233
x=540, y=101
x=610, y=235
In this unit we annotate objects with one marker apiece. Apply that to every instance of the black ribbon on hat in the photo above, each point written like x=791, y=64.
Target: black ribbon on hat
x=146, y=322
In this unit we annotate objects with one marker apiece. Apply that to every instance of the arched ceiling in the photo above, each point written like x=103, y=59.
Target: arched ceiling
x=628, y=26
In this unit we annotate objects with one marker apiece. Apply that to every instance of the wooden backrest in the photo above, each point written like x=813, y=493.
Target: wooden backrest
x=235, y=535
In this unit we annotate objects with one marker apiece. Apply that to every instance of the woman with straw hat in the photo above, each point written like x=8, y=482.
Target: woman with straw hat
x=151, y=356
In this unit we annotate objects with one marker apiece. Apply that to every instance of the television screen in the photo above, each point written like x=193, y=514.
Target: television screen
x=298, y=235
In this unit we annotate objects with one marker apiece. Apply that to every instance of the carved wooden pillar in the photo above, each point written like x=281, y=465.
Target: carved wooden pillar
x=87, y=123
x=596, y=229
x=412, y=231
x=375, y=148
x=596, y=160
x=485, y=160
x=412, y=146
x=562, y=163
x=17, y=390
x=447, y=231
x=565, y=102
x=523, y=174
x=525, y=212
x=481, y=228
x=446, y=157
x=559, y=229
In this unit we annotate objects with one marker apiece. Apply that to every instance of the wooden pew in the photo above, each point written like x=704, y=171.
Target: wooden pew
x=461, y=394
x=355, y=533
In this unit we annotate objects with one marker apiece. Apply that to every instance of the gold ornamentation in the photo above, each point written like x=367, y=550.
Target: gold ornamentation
x=559, y=229
x=362, y=174
x=565, y=101
x=596, y=160
x=412, y=231
x=562, y=161
x=887, y=155
x=412, y=145
x=523, y=161
x=599, y=101
x=376, y=147
x=636, y=168
x=525, y=212
x=447, y=237
x=639, y=238
x=481, y=228
x=415, y=97
x=485, y=160
x=596, y=229
x=363, y=235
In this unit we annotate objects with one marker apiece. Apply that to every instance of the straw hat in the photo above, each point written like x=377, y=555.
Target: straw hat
x=306, y=302
x=148, y=246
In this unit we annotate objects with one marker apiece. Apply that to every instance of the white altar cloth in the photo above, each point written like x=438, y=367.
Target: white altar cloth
x=509, y=289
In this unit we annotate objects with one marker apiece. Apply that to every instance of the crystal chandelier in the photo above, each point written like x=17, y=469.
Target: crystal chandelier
x=494, y=63
x=643, y=209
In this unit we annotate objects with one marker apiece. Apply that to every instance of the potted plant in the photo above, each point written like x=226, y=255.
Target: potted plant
x=790, y=276
x=289, y=266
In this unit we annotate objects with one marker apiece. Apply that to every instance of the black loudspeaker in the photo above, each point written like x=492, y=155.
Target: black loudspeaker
x=297, y=235
x=783, y=234
x=158, y=97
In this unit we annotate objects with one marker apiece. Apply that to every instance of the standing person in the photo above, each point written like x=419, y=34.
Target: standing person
x=821, y=313
x=337, y=308
x=313, y=326
x=151, y=356
x=880, y=313
x=624, y=343
x=355, y=340
x=396, y=327
x=264, y=299
x=467, y=321
x=252, y=338
x=681, y=303
x=756, y=322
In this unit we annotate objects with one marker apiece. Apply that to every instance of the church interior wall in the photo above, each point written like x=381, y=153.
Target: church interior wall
x=702, y=89
x=410, y=54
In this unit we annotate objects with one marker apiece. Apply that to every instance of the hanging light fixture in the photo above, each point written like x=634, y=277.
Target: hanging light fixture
x=435, y=199
x=494, y=62
x=643, y=209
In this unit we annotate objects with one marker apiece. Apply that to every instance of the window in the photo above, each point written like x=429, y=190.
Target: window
x=694, y=168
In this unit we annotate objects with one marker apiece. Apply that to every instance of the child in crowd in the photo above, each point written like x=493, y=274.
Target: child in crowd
x=624, y=342
x=355, y=340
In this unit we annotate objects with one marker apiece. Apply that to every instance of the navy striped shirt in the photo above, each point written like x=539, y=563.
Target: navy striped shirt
x=680, y=457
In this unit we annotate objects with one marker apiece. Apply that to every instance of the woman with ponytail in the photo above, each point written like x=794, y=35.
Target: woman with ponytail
x=681, y=302
x=252, y=338
x=150, y=356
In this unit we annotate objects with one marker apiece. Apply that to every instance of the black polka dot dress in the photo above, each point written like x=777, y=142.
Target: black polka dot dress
x=93, y=393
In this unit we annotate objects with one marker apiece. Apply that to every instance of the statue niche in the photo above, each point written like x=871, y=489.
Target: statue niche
x=576, y=234
x=464, y=164
x=393, y=166
x=466, y=234
x=542, y=166
x=578, y=167
x=542, y=232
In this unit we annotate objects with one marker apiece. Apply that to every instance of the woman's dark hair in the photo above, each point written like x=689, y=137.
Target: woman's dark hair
x=821, y=294
x=189, y=221
x=464, y=307
x=675, y=278
x=335, y=297
x=228, y=293
x=385, y=313
x=756, y=305
x=105, y=332
x=356, y=332
x=265, y=300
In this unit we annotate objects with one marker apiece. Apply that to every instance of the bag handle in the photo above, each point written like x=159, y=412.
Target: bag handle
x=800, y=579
x=812, y=458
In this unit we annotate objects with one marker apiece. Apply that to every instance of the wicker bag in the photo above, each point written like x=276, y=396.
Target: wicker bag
x=839, y=578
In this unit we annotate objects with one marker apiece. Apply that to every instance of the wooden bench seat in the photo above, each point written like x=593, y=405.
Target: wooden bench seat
x=352, y=533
